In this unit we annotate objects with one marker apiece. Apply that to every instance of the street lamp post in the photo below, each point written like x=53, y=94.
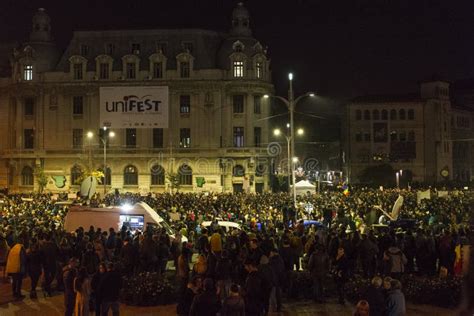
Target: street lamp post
x=277, y=132
x=290, y=103
x=104, y=141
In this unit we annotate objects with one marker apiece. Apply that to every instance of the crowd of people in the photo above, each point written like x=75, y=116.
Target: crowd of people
x=237, y=272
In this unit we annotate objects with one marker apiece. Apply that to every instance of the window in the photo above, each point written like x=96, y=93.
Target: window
x=130, y=70
x=77, y=71
x=260, y=170
x=28, y=72
x=238, y=137
x=77, y=138
x=29, y=138
x=158, y=70
x=135, y=48
x=184, y=104
x=157, y=174
x=257, y=135
x=358, y=115
x=110, y=49
x=401, y=114
x=78, y=105
x=161, y=46
x=185, y=137
x=375, y=115
x=185, y=174
x=76, y=174
x=259, y=70
x=393, y=114
x=84, y=50
x=257, y=104
x=108, y=176
x=130, y=175
x=157, y=138
x=238, y=171
x=131, y=137
x=367, y=137
x=104, y=70
x=411, y=114
x=411, y=136
x=393, y=136
x=403, y=136
x=27, y=177
x=238, y=103
x=184, y=69
x=29, y=106
x=358, y=137
x=238, y=67
x=366, y=115
x=188, y=47
x=384, y=115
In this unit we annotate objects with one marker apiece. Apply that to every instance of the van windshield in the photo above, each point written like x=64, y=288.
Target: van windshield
x=165, y=225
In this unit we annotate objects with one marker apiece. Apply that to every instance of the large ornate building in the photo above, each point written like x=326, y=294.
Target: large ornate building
x=213, y=140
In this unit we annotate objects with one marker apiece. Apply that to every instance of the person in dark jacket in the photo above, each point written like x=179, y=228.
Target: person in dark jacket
x=96, y=279
x=253, y=290
x=396, y=300
x=69, y=274
x=318, y=266
x=109, y=290
x=368, y=251
x=194, y=288
x=33, y=263
x=223, y=277
x=90, y=259
x=207, y=303
x=50, y=256
x=340, y=274
x=268, y=282
x=128, y=256
x=288, y=256
x=234, y=305
x=278, y=268
x=375, y=297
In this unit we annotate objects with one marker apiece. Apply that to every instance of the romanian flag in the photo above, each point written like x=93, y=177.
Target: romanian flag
x=345, y=189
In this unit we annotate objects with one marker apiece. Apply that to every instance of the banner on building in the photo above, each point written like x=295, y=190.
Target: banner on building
x=134, y=107
x=380, y=132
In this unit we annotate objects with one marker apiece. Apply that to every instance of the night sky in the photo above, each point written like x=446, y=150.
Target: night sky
x=338, y=48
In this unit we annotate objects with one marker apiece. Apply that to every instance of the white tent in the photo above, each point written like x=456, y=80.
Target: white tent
x=304, y=186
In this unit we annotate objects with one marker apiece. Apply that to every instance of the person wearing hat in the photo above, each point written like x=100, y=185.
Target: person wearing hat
x=69, y=274
x=16, y=267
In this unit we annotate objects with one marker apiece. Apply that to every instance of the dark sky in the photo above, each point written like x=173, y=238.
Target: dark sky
x=337, y=48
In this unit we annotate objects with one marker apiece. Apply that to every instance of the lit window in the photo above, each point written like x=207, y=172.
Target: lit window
x=184, y=69
x=130, y=175
x=259, y=70
x=28, y=72
x=238, y=69
x=185, y=104
x=238, y=137
x=77, y=71
x=185, y=137
x=130, y=70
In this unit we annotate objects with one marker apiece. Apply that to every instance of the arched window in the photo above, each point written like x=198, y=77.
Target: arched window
x=401, y=114
x=358, y=115
x=76, y=173
x=130, y=175
x=157, y=174
x=108, y=176
x=238, y=171
x=411, y=114
x=375, y=115
x=393, y=114
x=260, y=170
x=27, y=177
x=384, y=115
x=185, y=174
x=366, y=115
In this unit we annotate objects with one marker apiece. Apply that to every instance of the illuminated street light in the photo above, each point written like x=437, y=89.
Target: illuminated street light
x=295, y=160
x=90, y=134
x=300, y=131
x=277, y=132
x=290, y=76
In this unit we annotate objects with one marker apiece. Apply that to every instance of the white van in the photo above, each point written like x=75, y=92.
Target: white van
x=136, y=217
x=225, y=225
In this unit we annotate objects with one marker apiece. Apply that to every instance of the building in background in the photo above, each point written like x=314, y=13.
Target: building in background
x=213, y=140
x=411, y=133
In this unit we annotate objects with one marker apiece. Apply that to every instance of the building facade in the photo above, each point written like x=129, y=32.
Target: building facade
x=215, y=140
x=411, y=133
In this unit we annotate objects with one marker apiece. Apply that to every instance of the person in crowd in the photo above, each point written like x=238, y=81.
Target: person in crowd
x=341, y=274
x=194, y=288
x=223, y=274
x=234, y=304
x=95, y=283
x=215, y=242
x=90, y=259
x=82, y=287
x=49, y=251
x=318, y=266
x=278, y=268
x=4, y=249
x=362, y=309
x=253, y=290
x=268, y=281
x=33, y=263
x=16, y=267
x=200, y=267
x=368, y=251
x=183, y=270
x=375, y=297
x=109, y=290
x=396, y=300
x=69, y=275
x=396, y=261
x=207, y=303
x=128, y=256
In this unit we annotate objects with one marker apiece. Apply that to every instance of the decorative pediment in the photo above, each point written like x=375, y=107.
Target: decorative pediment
x=157, y=57
x=77, y=59
x=104, y=59
x=185, y=57
x=238, y=56
x=238, y=46
x=130, y=58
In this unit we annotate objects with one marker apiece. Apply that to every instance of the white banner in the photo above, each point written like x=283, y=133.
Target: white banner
x=421, y=195
x=134, y=107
